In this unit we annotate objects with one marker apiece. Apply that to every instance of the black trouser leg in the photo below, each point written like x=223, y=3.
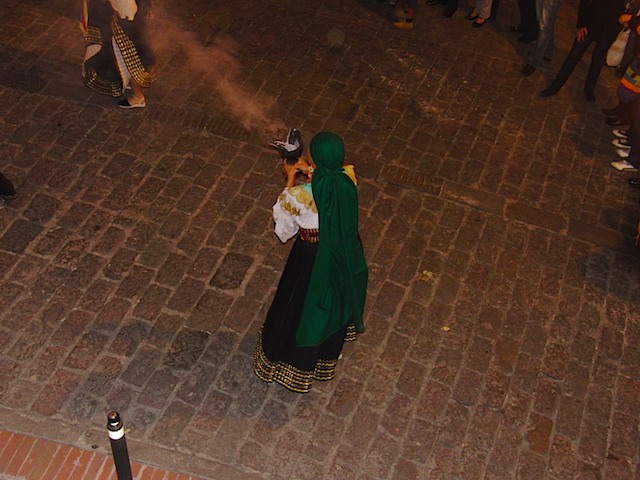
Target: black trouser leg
x=573, y=58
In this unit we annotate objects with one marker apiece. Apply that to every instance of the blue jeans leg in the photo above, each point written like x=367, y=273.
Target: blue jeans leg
x=547, y=13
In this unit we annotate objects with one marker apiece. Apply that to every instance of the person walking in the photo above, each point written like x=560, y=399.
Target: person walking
x=319, y=302
x=118, y=55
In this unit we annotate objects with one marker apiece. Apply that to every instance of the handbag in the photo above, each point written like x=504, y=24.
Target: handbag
x=617, y=48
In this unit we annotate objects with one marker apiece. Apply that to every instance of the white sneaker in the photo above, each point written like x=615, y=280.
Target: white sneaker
x=619, y=133
x=622, y=152
x=621, y=143
x=624, y=166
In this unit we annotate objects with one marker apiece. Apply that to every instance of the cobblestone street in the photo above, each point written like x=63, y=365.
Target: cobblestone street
x=138, y=262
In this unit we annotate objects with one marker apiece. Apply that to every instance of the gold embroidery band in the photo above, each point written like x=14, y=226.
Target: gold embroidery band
x=311, y=235
x=93, y=39
x=104, y=87
x=293, y=378
x=142, y=76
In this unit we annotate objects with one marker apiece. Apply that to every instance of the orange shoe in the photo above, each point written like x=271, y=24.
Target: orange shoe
x=403, y=25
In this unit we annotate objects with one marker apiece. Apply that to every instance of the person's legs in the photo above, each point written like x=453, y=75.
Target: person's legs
x=630, y=160
x=573, y=58
x=598, y=60
x=450, y=8
x=483, y=8
x=495, y=6
x=136, y=100
x=545, y=44
x=528, y=20
x=137, y=90
x=634, y=134
x=522, y=9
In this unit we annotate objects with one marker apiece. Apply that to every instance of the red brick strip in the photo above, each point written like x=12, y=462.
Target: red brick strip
x=29, y=458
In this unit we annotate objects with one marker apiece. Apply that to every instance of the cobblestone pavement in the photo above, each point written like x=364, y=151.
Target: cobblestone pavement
x=137, y=263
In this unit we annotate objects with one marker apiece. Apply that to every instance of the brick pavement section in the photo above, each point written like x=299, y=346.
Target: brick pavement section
x=138, y=262
x=30, y=458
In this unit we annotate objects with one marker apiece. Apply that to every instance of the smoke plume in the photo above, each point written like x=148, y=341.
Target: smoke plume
x=217, y=65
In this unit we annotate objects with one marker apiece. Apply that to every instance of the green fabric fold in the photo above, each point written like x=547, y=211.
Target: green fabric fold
x=338, y=286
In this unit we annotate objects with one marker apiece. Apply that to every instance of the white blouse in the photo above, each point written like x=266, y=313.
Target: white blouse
x=293, y=210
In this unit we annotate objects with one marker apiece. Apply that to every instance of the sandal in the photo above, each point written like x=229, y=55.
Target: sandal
x=132, y=102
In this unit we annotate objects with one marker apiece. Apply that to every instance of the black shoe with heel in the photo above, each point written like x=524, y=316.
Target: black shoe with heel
x=528, y=70
x=548, y=92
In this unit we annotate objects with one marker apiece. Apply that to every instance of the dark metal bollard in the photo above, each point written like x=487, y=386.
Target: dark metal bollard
x=119, y=446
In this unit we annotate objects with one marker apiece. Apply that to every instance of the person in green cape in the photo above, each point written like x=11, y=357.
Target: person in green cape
x=319, y=302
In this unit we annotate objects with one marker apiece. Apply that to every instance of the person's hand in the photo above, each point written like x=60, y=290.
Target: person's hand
x=290, y=172
x=582, y=34
x=303, y=166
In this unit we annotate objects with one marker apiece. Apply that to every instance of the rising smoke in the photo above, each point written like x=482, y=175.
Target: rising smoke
x=216, y=63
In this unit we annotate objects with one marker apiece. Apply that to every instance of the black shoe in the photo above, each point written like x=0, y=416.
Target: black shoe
x=590, y=96
x=527, y=39
x=516, y=29
x=7, y=190
x=549, y=92
x=635, y=181
x=448, y=13
x=528, y=70
x=615, y=111
x=617, y=121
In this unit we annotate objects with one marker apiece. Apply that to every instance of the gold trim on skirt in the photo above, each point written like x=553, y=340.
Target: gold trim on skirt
x=293, y=378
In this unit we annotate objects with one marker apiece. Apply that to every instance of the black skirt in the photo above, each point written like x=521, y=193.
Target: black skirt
x=277, y=358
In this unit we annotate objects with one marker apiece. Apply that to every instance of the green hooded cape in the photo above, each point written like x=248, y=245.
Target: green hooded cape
x=338, y=285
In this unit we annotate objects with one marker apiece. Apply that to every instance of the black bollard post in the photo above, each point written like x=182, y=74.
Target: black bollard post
x=119, y=446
